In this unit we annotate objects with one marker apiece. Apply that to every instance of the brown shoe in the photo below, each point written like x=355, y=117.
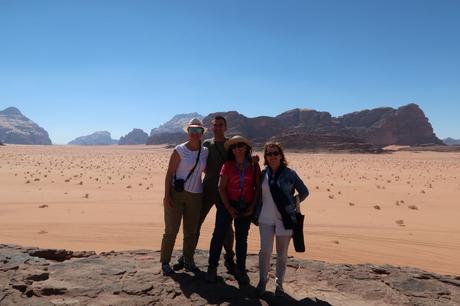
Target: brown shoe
x=166, y=269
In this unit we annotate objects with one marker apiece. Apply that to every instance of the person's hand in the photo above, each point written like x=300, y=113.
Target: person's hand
x=249, y=211
x=297, y=202
x=167, y=202
x=232, y=211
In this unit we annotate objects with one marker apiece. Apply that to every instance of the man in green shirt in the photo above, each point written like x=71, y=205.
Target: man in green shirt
x=216, y=157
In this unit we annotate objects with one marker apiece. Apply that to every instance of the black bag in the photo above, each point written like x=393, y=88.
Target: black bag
x=179, y=184
x=297, y=233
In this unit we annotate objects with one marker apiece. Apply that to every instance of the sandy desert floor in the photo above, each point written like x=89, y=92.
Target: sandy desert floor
x=401, y=208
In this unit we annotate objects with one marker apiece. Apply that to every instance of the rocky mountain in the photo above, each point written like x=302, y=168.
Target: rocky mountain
x=176, y=124
x=167, y=138
x=100, y=138
x=451, y=141
x=15, y=128
x=33, y=276
x=406, y=125
x=300, y=128
x=321, y=143
x=135, y=137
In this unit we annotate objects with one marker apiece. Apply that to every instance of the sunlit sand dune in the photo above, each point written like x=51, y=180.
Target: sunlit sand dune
x=400, y=208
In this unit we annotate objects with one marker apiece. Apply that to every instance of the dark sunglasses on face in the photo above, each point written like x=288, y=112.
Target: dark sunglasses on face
x=239, y=145
x=195, y=130
x=274, y=153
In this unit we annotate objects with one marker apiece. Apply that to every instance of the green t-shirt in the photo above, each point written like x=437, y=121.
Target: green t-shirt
x=217, y=155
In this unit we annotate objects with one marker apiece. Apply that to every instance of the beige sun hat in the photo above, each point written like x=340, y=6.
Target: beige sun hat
x=236, y=139
x=195, y=122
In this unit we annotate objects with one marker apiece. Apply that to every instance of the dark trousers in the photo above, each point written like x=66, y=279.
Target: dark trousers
x=209, y=200
x=223, y=221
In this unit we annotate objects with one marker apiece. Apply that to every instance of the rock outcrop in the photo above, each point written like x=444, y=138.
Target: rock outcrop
x=325, y=143
x=406, y=125
x=171, y=131
x=176, y=124
x=135, y=137
x=15, y=128
x=451, y=141
x=363, y=130
x=101, y=138
x=167, y=138
x=31, y=276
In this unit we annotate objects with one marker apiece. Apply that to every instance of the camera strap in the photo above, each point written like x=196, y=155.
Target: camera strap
x=193, y=169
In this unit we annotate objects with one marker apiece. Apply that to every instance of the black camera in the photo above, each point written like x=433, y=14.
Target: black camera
x=179, y=185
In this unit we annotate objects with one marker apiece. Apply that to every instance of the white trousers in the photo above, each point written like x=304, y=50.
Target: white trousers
x=267, y=233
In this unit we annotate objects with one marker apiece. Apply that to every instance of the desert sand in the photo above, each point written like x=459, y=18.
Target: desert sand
x=400, y=208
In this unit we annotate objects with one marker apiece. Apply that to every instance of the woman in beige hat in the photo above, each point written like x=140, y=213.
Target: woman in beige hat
x=183, y=196
x=238, y=189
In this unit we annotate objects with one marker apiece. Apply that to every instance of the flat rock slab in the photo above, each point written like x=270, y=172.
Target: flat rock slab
x=31, y=276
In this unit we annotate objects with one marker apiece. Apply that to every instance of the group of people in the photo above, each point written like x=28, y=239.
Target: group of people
x=241, y=193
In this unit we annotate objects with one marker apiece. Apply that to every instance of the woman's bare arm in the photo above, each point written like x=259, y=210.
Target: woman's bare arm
x=172, y=167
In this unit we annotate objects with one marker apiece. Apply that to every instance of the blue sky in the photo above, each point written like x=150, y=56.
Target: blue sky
x=76, y=67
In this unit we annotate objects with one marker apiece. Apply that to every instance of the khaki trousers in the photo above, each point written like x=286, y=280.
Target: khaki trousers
x=187, y=206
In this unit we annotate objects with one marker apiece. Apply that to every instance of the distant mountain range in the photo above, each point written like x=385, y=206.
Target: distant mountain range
x=306, y=128
x=451, y=141
x=366, y=130
x=103, y=138
x=15, y=128
x=100, y=138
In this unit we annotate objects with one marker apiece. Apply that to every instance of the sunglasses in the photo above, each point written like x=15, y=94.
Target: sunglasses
x=195, y=130
x=274, y=153
x=239, y=145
